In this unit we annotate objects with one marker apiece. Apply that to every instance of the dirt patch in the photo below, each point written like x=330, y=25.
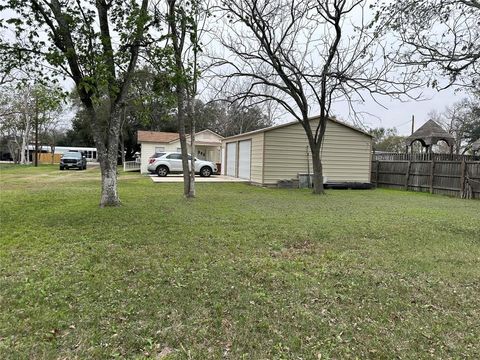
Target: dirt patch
x=296, y=248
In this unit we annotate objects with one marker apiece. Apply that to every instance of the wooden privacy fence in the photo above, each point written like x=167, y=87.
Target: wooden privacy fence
x=453, y=178
x=424, y=157
x=49, y=158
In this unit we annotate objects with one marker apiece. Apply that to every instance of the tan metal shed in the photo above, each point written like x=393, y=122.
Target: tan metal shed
x=277, y=153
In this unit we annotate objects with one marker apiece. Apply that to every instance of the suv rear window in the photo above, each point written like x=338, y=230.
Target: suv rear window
x=157, y=155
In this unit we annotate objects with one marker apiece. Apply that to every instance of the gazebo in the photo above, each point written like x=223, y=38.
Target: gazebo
x=428, y=135
x=476, y=147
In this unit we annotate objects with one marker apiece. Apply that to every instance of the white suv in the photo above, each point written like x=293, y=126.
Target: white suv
x=171, y=162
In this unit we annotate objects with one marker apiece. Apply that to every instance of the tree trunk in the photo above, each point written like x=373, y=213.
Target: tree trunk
x=26, y=134
x=36, y=130
x=183, y=139
x=122, y=135
x=52, y=149
x=13, y=148
x=107, y=150
x=317, y=171
x=122, y=148
x=191, y=184
x=109, y=181
x=108, y=167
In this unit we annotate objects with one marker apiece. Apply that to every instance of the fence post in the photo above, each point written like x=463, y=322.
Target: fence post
x=463, y=169
x=432, y=170
x=407, y=176
x=376, y=173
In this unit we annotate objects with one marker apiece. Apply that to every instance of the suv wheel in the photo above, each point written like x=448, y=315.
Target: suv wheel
x=162, y=171
x=205, y=171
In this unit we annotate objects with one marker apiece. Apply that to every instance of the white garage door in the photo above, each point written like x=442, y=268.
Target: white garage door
x=244, y=153
x=231, y=159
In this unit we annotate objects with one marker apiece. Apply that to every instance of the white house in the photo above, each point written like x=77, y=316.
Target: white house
x=208, y=145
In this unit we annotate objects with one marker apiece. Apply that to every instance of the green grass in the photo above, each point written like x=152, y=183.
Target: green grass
x=240, y=272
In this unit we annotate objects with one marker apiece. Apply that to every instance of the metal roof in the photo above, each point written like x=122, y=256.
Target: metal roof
x=293, y=123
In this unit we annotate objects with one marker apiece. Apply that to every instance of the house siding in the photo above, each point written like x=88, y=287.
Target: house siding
x=147, y=150
x=345, y=154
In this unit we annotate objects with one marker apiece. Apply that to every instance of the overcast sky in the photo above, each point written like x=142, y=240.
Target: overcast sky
x=398, y=114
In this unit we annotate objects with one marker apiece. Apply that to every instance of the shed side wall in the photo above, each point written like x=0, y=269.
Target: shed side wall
x=345, y=154
x=257, y=158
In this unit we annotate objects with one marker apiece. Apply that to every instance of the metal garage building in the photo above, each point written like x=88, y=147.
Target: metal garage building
x=277, y=153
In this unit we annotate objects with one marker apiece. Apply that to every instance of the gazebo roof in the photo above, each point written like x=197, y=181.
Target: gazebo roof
x=476, y=145
x=429, y=134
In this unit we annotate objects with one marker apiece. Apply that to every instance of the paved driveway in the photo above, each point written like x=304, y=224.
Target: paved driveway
x=179, y=178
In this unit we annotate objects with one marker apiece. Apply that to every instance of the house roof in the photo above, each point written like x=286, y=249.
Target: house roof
x=169, y=137
x=296, y=122
x=211, y=132
x=430, y=133
x=156, y=136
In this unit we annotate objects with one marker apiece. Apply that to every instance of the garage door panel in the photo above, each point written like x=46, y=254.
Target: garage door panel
x=244, y=159
x=231, y=159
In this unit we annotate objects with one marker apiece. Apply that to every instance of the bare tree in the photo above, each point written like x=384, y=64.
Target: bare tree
x=185, y=21
x=96, y=44
x=441, y=35
x=52, y=128
x=25, y=108
x=462, y=120
x=300, y=49
x=16, y=119
x=177, y=34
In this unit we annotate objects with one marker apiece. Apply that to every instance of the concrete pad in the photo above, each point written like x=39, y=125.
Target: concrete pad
x=177, y=178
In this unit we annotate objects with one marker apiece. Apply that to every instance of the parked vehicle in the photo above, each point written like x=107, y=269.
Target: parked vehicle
x=155, y=156
x=73, y=159
x=171, y=162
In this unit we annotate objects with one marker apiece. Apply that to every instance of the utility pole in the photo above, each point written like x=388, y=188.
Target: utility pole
x=36, y=128
x=413, y=129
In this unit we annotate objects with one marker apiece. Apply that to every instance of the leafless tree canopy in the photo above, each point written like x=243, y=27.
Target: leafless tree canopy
x=308, y=54
x=462, y=120
x=443, y=36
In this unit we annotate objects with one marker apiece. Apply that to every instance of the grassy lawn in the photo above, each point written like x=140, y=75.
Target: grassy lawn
x=241, y=272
